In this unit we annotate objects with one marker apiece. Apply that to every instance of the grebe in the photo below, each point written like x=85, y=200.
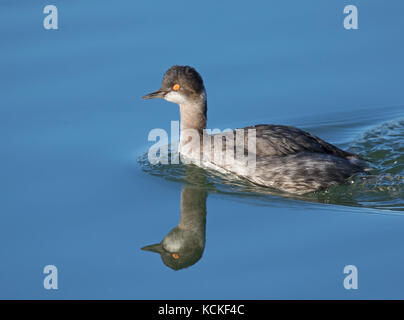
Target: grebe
x=286, y=158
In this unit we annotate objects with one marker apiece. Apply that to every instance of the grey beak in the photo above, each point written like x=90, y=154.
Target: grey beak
x=156, y=94
x=158, y=248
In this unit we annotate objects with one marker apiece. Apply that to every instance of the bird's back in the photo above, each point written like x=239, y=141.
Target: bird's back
x=279, y=140
x=290, y=159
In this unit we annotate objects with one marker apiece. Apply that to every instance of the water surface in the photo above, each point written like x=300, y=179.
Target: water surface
x=77, y=193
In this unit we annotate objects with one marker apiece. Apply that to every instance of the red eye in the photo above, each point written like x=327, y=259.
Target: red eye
x=176, y=87
x=175, y=256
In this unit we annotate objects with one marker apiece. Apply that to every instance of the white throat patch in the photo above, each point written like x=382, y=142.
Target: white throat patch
x=175, y=97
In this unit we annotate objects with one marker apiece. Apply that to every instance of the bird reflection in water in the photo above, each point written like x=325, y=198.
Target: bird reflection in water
x=183, y=246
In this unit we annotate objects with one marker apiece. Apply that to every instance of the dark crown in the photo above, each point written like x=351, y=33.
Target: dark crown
x=186, y=76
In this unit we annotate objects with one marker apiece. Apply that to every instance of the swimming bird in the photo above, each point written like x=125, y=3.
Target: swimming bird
x=285, y=158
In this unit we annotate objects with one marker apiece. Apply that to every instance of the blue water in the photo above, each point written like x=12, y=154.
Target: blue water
x=73, y=127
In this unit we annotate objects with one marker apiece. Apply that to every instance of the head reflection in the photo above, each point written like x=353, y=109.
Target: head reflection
x=183, y=246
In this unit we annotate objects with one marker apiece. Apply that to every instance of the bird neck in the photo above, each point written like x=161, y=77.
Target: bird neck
x=194, y=114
